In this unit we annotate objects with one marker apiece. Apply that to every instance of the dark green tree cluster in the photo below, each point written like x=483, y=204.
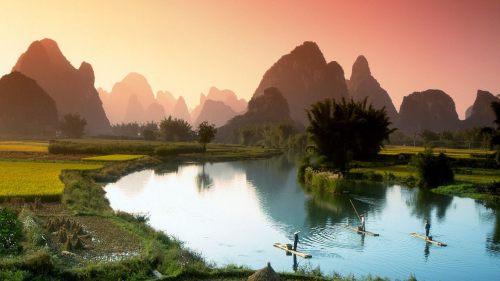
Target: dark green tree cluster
x=10, y=232
x=73, y=125
x=433, y=171
x=174, y=129
x=495, y=140
x=134, y=130
x=346, y=130
x=206, y=133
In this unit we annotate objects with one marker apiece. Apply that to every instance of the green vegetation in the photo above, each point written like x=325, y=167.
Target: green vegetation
x=206, y=133
x=73, y=125
x=174, y=129
x=35, y=179
x=10, y=232
x=342, y=131
x=433, y=171
x=114, y=157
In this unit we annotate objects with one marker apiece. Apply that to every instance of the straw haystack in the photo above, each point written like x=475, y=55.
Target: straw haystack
x=265, y=274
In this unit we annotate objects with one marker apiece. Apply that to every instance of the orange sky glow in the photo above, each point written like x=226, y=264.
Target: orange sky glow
x=187, y=46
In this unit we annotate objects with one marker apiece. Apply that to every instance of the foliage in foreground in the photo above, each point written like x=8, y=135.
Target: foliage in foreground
x=433, y=171
x=10, y=232
x=346, y=130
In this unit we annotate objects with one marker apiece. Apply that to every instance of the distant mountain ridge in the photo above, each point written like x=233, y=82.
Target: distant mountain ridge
x=481, y=114
x=72, y=89
x=363, y=85
x=268, y=108
x=432, y=110
x=25, y=108
x=304, y=77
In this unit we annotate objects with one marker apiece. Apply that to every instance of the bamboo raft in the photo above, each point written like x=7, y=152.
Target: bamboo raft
x=287, y=248
x=355, y=228
x=416, y=235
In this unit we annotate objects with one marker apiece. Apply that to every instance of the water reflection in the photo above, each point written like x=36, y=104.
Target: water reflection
x=233, y=213
x=423, y=203
x=493, y=240
x=203, y=179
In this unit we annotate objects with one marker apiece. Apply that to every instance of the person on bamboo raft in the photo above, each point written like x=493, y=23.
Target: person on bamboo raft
x=361, y=227
x=427, y=229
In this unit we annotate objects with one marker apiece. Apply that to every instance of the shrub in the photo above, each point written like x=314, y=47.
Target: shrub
x=10, y=232
x=433, y=171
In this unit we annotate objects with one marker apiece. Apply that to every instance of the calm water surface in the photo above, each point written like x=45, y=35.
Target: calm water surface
x=233, y=212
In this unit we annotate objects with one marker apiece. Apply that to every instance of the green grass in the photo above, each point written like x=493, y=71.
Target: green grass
x=33, y=179
x=468, y=190
x=114, y=157
x=466, y=175
x=25, y=146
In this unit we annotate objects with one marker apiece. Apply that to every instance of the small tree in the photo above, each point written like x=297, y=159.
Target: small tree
x=206, y=133
x=73, y=125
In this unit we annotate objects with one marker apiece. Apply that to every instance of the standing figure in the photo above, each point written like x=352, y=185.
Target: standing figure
x=427, y=229
x=295, y=240
x=362, y=225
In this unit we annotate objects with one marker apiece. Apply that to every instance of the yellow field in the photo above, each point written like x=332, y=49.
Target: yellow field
x=20, y=178
x=114, y=157
x=28, y=146
x=450, y=152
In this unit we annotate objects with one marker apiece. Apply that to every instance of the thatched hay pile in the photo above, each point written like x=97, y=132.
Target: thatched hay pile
x=68, y=232
x=265, y=274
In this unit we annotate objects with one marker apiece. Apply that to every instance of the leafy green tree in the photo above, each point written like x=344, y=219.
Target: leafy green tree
x=206, y=133
x=149, y=131
x=341, y=131
x=73, y=125
x=176, y=130
x=495, y=140
x=433, y=171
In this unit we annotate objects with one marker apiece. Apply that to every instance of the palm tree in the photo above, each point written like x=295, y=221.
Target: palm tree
x=341, y=131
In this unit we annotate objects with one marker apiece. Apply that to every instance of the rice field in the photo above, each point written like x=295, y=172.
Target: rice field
x=19, y=178
x=114, y=157
x=26, y=146
x=450, y=152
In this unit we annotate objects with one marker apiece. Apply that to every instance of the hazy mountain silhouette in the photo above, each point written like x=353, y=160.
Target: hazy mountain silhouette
x=428, y=110
x=122, y=106
x=215, y=112
x=481, y=114
x=304, y=77
x=167, y=100
x=25, y=108
x=72, y=89
x=268, y=108
x=181, y=110
x=228, y=97
x=363, y=85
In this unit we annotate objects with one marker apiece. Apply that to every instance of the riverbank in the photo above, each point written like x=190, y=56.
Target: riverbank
x=108, y=245
x=471, y=181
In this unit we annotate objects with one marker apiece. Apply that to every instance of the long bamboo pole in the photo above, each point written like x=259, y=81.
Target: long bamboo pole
x=359, y=217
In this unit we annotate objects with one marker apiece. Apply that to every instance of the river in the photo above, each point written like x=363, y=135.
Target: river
x=233, y=213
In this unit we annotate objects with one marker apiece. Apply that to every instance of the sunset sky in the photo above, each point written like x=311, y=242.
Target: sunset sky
x=187, y=46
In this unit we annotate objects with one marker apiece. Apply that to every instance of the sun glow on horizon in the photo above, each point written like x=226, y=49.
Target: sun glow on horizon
x=185, y=47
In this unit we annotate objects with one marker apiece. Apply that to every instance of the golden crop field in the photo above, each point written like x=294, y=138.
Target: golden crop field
x=19, y=178
x=27, y=146
x=450, y=152
x=114, y=157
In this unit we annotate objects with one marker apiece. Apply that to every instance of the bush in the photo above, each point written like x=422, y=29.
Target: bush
x=433, y=171
x=10, y=232
x=169, y=150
